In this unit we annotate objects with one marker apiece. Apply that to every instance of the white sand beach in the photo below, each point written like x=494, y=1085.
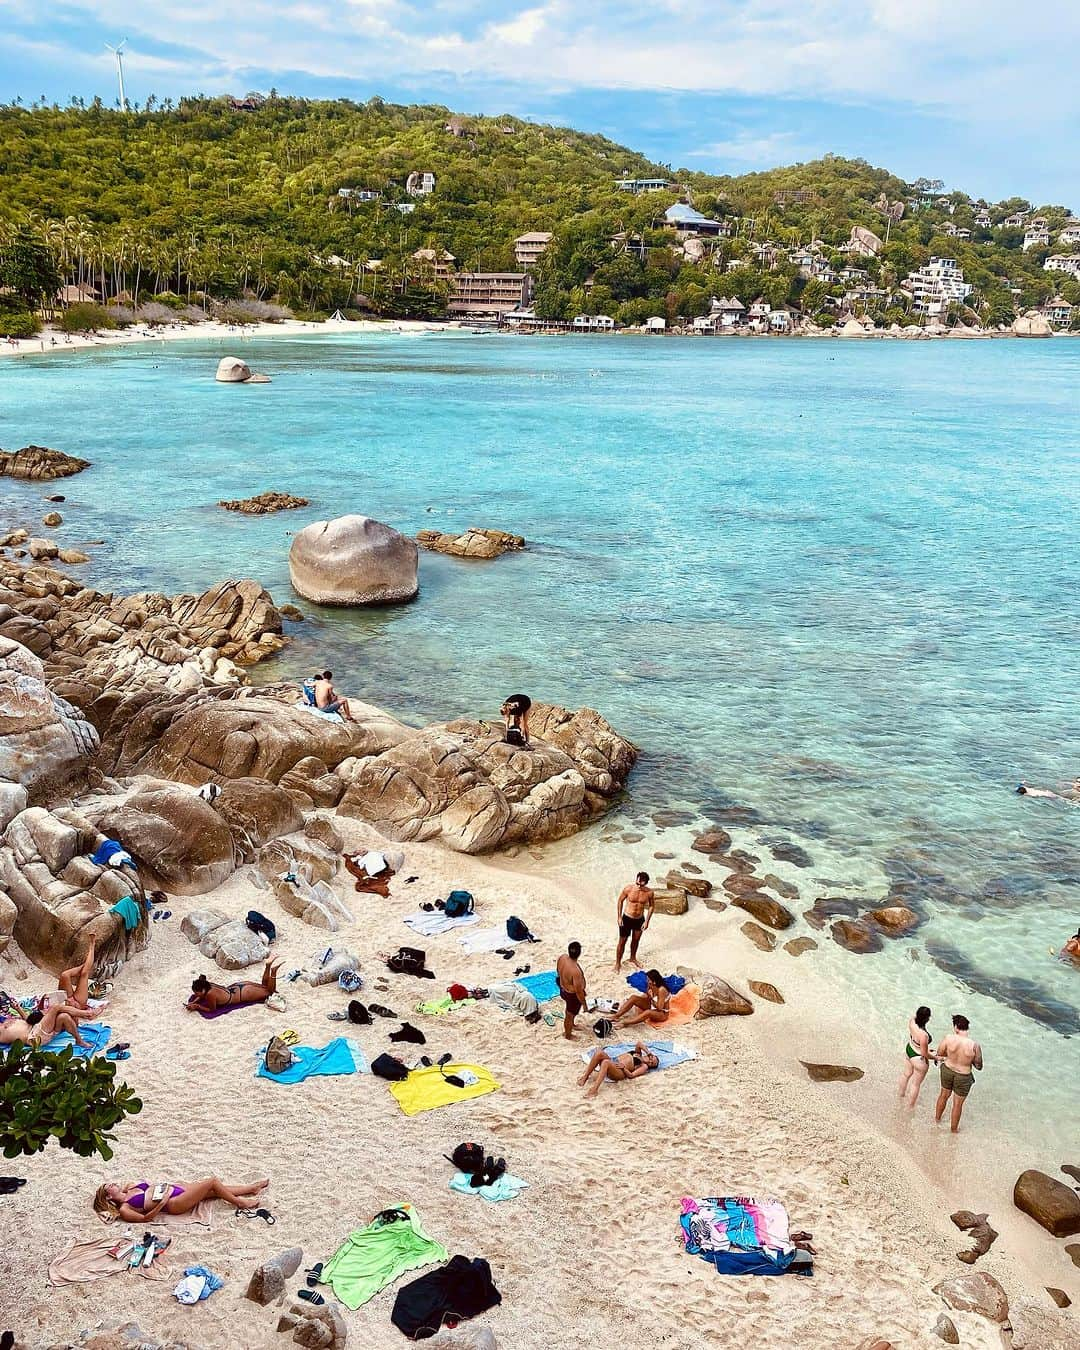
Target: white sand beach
x=591, y=1244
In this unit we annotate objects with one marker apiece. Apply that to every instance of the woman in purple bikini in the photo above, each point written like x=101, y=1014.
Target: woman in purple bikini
x=135, y=1202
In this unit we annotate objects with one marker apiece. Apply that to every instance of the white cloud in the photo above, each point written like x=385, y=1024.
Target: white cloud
x=755, y=150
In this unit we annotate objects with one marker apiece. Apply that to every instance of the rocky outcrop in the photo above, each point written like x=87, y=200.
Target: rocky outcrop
x=265, y=504
x=1049, y=1202
x=473, y=543
x=232, y=944
x=670, y=900
x=233, y=370
x=39, y=464
x=60, y=897
x=460, y=783
x=179, y=841
x=975, y=1292
x=856, y=935
x=1032, y=324
x=255, y=812
x=718, y=998
x=43, y=738
x=353, y=560
x=267, y=1282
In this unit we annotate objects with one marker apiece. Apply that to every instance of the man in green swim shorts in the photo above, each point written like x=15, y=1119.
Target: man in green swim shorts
x=961, y=1056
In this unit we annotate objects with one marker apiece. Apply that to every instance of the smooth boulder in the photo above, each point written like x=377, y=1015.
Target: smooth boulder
x=42, y=736
x=1048, y=1201
x=257, y=811
x=179, y=841
x=975, y=1292
x=832, y=1073
x=855, y=935
x=766, y=910
x=353, y=560
x=234, y=370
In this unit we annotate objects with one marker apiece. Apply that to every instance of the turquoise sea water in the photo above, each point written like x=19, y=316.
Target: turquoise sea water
x=835, y=583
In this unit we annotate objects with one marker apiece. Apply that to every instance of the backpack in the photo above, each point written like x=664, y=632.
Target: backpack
x=516, y=931
x=458, y=905
x=358, y=1014
x=386, y=1066
x=277, y=1056
x=604, y=1027
x=259, y=923
x=467, y=1158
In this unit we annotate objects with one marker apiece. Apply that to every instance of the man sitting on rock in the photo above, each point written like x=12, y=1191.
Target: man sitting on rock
x=326, y=699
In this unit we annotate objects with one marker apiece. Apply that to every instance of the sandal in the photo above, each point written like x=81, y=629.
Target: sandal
x=338, y=1016
x=313, y=1274
x=309, y=1296
x=263, y=1214
x=117, y=1054
x=523, y=970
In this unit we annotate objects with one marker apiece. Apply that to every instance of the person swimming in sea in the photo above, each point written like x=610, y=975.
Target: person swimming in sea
x=1071, y=795
x=916, y=1057
x=1071, y=950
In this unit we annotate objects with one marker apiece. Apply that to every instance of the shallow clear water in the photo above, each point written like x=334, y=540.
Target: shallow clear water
x=838, y=583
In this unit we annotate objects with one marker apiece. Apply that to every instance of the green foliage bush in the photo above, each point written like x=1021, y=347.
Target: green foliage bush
x=75, y=1101
x=85, y=316
x=19, y=324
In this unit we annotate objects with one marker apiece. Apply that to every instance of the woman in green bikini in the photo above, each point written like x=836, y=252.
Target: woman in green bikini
x=916, y=1057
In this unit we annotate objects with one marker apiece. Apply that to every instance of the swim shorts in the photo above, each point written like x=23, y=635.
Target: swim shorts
x=960, y=1083
x=630, y=925
x=573, y=1003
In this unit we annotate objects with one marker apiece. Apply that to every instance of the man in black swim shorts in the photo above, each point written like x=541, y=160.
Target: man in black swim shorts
x=571, y=987
x=635, y=910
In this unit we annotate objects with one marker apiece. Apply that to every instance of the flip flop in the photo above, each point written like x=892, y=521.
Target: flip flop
x=114, y=1055
x=309, y=1296
x=263, y=1214
x=337, y=1016
x=9, y=1185
x=523, y=970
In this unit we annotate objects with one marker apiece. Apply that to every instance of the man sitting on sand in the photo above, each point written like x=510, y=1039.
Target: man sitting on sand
x=635, y=910
x=326, y=699
x=651, y=1007
x=571, y=980
x=633, y=1064
x=38, y=1028
x=962, y=1055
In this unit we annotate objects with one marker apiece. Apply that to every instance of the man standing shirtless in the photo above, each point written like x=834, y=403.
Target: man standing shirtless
x=571, y=987
x=635, y=910
x=961, y=1055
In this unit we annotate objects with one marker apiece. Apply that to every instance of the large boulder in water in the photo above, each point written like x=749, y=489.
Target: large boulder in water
x=179, y=841
x=1048, y=1201
x=40, y=464
x=41, y=736
x=234, y=370
x=462, y=784
x=353, y=560
x=1031, y=324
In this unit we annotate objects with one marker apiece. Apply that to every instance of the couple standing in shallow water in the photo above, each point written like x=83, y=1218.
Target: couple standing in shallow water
x=959, y=1055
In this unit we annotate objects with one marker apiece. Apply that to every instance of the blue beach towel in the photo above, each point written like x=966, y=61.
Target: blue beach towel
x=543, y=986
x=338, y=1056
x=109, y=851
x=670, y=1053
x=638, y=981
x=505, y=1187
x=94, y=1033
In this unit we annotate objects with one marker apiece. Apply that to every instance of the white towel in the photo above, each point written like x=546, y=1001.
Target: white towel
x=430, y=923
x=487, y=940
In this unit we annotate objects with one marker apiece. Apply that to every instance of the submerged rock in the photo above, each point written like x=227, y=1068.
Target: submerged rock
x=832, y=1073
x=712, y=841
x=798, y=945
x=855, y=935
x=473, y=543
x=760, y=937
x=894, y=919
x=265, y=504
x=766, y=910
x=39, y=463
x=353, y=560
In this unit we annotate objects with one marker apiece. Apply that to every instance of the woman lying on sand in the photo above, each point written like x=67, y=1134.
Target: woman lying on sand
x=633, y=1064
x=207, y=997
x=134, y=1203
x=651, y=1007
x=38, y=1028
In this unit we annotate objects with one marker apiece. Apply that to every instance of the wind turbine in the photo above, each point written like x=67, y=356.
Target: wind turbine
x=118, y=51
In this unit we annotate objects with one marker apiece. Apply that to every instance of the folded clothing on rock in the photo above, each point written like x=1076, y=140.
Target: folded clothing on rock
x=130, y=912
x=543, y=986
x=427, y=1089
x=461, y=1289
x=739, y=1235
x=371, y=1258
x=339, y=1056
x=670, y=1053
x=505, y=1187
x=111, y=853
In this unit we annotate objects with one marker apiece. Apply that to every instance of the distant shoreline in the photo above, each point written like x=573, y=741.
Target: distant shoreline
x=52, y=340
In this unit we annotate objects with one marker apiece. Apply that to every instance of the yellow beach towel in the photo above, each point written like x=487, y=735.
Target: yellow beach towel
x=426, y=1089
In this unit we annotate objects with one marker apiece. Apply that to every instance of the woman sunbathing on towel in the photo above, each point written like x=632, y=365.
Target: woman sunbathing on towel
x=651, y=1007
x=75, y=983
x=135, y=1203
x=38, y=1028
x=207, y=997
x=633, y=1064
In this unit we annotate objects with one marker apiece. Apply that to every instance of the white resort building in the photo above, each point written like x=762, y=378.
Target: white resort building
x=420, y=183
x=639, y=185
x=1063, y=262
x=934, y=287
x=1036, y=236
x=593, y=323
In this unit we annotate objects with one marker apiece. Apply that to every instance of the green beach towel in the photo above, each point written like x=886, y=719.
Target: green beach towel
x=373, y=1257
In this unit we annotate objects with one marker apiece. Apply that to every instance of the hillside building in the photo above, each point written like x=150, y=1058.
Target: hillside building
x=685, y=219
x=1036, y=236
x=435, y=263
x=489, y=294
x=639, y=185
x=420, y=183
x=1063, y=262
x=937, y=285
x=529, y=247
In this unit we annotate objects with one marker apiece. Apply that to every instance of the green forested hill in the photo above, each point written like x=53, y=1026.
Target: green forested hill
x=206, y=198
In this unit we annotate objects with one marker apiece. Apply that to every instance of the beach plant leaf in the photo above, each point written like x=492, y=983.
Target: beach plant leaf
x=78, y=1102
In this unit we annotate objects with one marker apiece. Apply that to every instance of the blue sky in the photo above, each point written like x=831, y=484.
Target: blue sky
x=981, y=93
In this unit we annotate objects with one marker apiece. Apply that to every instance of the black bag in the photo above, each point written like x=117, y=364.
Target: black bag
x=468, y=1158
x=386, y=1066
x=259, y=923
x=516, y=931
x=458, y=905
x=358, y=1014
x=515, y=736
x=460, y=1289
x=604, y=1027
x=409, y=961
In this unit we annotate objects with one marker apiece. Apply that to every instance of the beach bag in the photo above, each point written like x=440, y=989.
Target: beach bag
x=458, y=905
x=277, y=1056
x=407, y=961
x=516, y=931
x=259, y=923
x=515, y=736
x=604, y=1027
x=358, y=1014
x=467, y=1158
x=386, y=1066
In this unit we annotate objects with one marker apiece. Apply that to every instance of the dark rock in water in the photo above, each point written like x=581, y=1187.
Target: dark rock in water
x=690, y=867
x=55, y=497
x=798, y=945
x=38, y=463
x=1048, y=1201
x=1071, y=1171
x=982, y=1235
x=740, y=855
x=791, y=853
x=767, y=991
x=698, y=886
x=265, y=504
x=292, y=613
x=1060, y=1297
x=711, y=902
x=760, y=937
x=856, y=936
x=765, y=910
x=786, y=889
x=732, y=815
x=632, y=838
x=670, y=817
x=832, y=1073
x=733, y=864
x=739, y=884
x=1023, y=995
x=664, y=857
x=712, y=841
x=828, y=907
